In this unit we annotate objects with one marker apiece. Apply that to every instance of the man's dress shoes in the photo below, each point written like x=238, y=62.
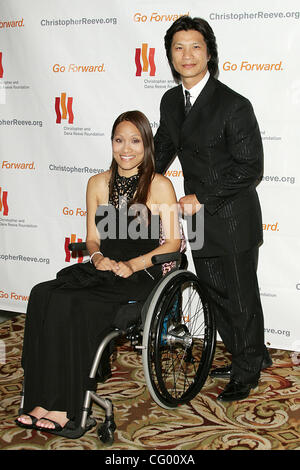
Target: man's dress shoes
x=235, y=391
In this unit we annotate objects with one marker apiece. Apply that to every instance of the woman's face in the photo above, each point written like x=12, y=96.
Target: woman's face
x=128, y=148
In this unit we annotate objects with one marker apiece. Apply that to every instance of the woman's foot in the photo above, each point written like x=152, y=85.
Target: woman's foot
x=38, y=412
x=59, y=417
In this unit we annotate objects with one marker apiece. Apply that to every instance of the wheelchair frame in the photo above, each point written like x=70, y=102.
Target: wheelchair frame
x=161, y=334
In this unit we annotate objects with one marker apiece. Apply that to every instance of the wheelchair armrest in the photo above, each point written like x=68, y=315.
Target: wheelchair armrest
x=77, y=246
x=177, y=256
x=167, y=258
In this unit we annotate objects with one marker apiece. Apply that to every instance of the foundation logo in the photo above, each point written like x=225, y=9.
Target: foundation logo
x=141, y=54
x=1, y=66
x=69, y=255
x=3, y=202
x=64, y=109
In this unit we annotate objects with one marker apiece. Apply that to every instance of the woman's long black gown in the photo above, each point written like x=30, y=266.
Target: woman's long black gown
x=67, y=316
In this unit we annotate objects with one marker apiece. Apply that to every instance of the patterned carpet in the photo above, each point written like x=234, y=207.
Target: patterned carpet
x=269, y=419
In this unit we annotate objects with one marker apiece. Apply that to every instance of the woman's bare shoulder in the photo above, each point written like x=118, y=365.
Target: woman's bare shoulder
x=97, y=188
x=161, y=188
x=161, y=183
x=100, y=180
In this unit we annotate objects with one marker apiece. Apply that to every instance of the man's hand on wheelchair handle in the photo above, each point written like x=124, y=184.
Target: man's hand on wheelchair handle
x=189, y=204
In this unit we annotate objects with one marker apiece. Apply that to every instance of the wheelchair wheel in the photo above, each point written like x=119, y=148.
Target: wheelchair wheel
x=178, y=340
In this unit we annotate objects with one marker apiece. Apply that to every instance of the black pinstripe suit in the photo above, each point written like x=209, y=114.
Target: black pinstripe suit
x=220, y=149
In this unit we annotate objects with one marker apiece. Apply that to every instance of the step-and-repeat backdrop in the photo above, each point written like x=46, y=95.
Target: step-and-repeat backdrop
x=68, y=68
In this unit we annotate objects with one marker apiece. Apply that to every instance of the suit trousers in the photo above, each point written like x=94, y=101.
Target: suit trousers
x=230, y=283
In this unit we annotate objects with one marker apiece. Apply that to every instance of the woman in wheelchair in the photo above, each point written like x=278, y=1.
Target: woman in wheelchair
x=67, y=316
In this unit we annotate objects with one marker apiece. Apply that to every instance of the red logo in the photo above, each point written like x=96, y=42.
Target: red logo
x=63, y=109
x=147, y=59
x=1, y=66
x=77, y=254
x=3, y=202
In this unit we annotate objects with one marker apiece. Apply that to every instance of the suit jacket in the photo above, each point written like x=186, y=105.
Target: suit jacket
x=220, y=150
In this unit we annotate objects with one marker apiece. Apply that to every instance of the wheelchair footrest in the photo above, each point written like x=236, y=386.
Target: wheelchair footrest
x=107, y=429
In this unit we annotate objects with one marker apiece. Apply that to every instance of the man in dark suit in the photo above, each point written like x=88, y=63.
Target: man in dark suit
x=214, y=132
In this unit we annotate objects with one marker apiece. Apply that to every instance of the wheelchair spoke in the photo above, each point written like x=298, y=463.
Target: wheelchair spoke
x=193, y=317
x=181, y=342
x=173, y=380
x=172, y=360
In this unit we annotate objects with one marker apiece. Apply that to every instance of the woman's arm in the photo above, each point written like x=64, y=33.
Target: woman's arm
x=163, y=202
x=95, y=195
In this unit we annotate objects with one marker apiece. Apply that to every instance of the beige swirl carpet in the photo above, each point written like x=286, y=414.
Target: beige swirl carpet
x=269, y=419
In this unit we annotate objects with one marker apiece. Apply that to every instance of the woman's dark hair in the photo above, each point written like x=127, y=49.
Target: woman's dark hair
x=186, y=23
x=146, y=169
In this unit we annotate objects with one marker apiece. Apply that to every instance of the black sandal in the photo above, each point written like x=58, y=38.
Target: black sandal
x=69, y=430
x=27, y=426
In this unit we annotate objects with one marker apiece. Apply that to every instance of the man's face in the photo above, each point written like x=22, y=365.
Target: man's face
x=189, y=56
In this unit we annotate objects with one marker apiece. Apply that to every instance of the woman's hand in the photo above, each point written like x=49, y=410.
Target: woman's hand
x=123, y=269
x=103, y=263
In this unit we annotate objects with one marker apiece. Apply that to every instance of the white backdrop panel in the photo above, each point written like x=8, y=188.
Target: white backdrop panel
x=45, y=164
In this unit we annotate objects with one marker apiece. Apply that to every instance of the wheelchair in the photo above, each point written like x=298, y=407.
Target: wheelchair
x=175, y=335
